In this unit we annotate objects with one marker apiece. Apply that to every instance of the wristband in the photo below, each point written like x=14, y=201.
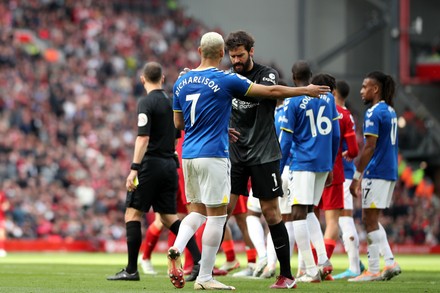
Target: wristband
x=135, y=166
x=357, y=175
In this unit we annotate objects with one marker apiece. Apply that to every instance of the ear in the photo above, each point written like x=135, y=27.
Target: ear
x=376, y=88
x=142, y=79
x=251, y=52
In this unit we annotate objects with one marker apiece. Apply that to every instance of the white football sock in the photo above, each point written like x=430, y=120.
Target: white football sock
x=271, y=254
x=316, y=237
x=289, y=227
x=374, y=239
x=302, y=237
x=211, y=238
x=189, y=225
x=350, y=239
x=256, y=234
x=385, y=248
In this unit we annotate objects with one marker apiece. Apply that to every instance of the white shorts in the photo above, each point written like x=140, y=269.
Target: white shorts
x=285, y=206
x=207, y=180
x=253, y=203
x=377, y=193
x=348, y=197
x=305, y=188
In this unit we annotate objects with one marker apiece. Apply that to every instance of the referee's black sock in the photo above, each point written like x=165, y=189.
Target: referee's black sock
x=280, y=240
x=134, y=241
x=191, y=245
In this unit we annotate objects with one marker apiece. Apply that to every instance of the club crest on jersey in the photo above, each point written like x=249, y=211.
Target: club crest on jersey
x=142, y=119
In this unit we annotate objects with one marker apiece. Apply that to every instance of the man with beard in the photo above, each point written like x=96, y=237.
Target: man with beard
x=256, y=154
x=376, y=172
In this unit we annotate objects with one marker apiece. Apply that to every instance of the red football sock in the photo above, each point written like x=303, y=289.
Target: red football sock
x=199, y=235
x=171, y=239
x=315, y=255
x=329, y=247
x=151, y=238
x=228, y=249
x=251, y=254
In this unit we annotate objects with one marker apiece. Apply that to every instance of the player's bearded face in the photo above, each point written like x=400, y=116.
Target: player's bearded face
x=242, y=66
x=367, y=91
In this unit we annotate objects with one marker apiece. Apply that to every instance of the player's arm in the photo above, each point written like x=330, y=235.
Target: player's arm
x=350, y=139
x=179, y=123
x=285, y=140
x=140, y=148
x=352, y=146
x=280, y=92
x=336, y=139
x=364, y=158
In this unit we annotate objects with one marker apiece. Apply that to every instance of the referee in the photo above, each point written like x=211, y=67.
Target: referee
x=152, y=181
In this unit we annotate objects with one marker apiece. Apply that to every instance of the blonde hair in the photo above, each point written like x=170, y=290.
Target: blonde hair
x=211, y=45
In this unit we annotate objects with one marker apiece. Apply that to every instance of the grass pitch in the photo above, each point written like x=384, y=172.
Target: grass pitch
x=86, y=272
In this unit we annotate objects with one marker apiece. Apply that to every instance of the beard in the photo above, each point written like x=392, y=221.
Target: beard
x=242, y=67
x=367, y=102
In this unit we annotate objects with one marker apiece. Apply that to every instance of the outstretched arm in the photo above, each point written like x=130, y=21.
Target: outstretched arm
x=280, y=92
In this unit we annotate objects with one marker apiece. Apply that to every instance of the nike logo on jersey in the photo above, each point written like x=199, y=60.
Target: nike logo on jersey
x=275, y=189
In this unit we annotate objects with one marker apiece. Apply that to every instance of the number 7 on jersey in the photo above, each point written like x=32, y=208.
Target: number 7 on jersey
x=193, y=98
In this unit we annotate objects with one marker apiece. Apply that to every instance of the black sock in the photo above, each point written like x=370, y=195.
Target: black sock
x=134, y=241
x=280, y=240
x=191, y=245
x=224, y=231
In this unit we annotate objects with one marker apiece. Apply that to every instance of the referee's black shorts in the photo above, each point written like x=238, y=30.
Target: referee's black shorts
x=157, y=186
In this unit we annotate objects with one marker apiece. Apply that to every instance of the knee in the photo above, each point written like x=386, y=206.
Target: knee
x=272, y=216
x=370, y=224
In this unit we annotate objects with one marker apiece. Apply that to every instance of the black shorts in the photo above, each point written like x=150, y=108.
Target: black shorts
x=157, y=186
x=265, y=180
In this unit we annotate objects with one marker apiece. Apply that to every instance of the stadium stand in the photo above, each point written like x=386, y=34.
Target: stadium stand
x=68, y=81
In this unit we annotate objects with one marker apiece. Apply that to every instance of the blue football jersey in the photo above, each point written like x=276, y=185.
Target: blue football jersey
x=381, y=121
x=311, y=125
x=205, y=99
x=279, y=116
x=349, y=167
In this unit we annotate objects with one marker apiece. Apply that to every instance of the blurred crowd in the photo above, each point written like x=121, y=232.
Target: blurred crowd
x=69, y=83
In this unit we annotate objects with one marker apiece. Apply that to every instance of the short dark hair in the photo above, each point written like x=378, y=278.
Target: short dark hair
x=324, y=79
x=343, y=88
x=301, y=71
x=152, y=72
x=239, y=38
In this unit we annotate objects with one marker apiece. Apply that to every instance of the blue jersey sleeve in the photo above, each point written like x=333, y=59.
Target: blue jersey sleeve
x=372, y=122
x=286, y=131
x=176, y=102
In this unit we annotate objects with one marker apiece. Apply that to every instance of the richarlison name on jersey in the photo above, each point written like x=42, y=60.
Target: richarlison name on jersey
x=197, y=79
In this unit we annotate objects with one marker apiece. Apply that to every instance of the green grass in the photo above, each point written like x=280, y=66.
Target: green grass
x=86, y=272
